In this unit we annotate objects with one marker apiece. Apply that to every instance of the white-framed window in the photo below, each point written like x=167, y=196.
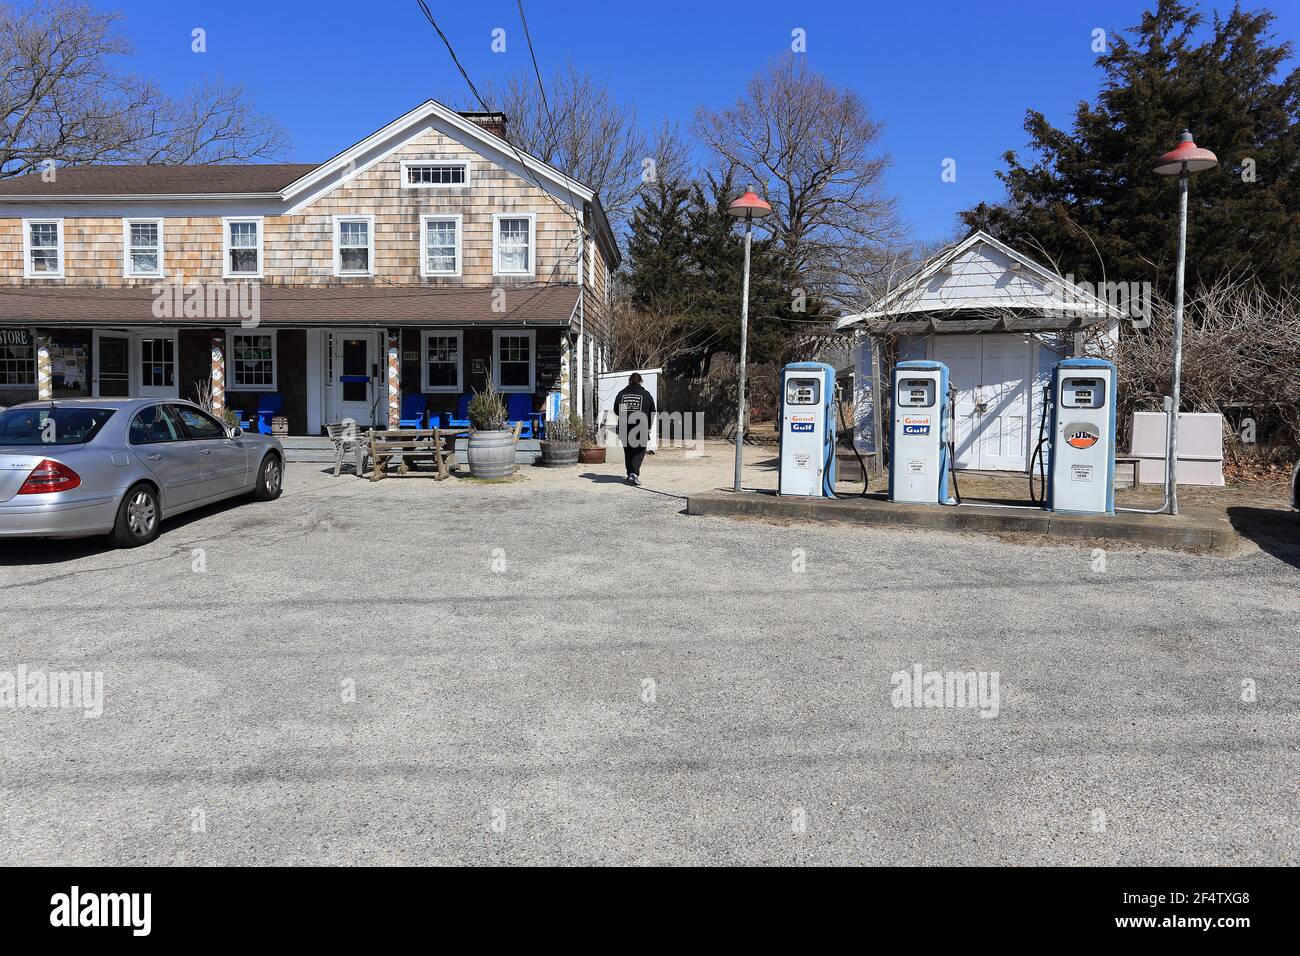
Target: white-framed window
x=514, y=360
x=142, y=247
x=242, y=242
x=434, y=173
x=17, y=358
x=442, y=361
x=250, y=360
x=440, y=245
x=513, y=244
x=354, y=245
x=43, y=248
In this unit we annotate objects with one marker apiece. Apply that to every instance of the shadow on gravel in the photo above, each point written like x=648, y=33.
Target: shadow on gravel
x=18, y=552
x=615, y=480
x=1277, y=532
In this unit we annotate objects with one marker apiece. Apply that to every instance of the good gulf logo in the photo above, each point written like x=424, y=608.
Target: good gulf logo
x=1081, y=435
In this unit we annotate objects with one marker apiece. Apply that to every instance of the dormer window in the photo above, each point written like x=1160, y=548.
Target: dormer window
x=435, y=174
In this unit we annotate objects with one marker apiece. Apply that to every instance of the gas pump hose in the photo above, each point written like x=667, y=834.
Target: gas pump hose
x=831, y=455
x=1038, y=454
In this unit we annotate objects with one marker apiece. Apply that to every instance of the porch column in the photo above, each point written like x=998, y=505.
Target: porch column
x=566, y=383
x=394, y=379
x=44, y=370
x=218, y=376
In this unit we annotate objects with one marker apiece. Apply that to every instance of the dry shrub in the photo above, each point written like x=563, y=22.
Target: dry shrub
x=1241, y=358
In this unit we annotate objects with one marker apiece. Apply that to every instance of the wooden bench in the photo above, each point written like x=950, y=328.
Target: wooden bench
x=430, y=444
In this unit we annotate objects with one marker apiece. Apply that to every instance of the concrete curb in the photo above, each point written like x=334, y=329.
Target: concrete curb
x=1186, y=532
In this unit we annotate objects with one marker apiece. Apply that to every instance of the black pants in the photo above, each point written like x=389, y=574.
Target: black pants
x=633, y=455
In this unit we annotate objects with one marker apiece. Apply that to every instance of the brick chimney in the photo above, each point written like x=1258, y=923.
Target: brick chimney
x=494, y=123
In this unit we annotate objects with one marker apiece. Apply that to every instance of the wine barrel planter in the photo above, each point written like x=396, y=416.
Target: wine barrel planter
x=592, y=456
x=491, y=454
x=558, y=453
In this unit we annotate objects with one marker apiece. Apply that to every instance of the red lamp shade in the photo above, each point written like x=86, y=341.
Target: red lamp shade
x=750, y=206
x=1185, y=157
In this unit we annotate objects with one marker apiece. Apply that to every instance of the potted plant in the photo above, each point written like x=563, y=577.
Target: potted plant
x=591, y=452
x=563, y=439
x=491, y=448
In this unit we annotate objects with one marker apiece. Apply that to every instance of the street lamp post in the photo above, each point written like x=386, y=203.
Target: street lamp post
x=749, y=207
x=1181, y=161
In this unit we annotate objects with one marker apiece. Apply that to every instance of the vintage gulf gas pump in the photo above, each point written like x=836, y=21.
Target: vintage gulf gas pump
x=807, y=430
x=1081, y=463
x=918, y=461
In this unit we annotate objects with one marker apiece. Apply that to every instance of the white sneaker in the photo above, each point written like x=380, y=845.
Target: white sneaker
x=635, y=479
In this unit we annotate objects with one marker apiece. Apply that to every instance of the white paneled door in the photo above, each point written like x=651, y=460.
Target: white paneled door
x=991, y=376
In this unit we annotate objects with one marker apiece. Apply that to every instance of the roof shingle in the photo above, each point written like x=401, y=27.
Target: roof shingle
x=158, y=180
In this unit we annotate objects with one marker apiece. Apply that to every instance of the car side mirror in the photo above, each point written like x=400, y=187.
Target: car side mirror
x=234, y=431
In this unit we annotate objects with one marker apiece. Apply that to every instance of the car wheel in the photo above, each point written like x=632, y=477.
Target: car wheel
x=139, y=518
x=270, y=479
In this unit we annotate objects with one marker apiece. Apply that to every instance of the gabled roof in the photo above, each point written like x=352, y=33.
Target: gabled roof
x=265, y=180
x=287, y=182
x=934, y=292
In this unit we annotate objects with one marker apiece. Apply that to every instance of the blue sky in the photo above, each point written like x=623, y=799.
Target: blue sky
x=949, y=78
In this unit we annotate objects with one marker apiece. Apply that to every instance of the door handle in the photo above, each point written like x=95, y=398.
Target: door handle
x=205, y=451
x=154, y=457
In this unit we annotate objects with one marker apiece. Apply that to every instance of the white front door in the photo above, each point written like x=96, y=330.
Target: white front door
x=155, y=364
x=352, y=365
x=991, y=376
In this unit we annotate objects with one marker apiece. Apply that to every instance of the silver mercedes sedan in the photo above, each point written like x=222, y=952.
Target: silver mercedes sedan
x=87, y=466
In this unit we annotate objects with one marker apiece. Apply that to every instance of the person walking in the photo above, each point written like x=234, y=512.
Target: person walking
x=635, y=408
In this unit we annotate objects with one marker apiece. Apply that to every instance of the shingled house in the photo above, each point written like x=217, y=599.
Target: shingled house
x=422, y=259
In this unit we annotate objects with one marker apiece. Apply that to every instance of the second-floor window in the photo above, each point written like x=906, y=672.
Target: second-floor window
x=244, y=247
x=43, y=257
x=441, y=246
x=354, y=245
x=514, y=245
x=143, y=239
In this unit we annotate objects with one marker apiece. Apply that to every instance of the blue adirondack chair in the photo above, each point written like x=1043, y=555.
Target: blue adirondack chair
x=519, y=408
x=413, y=407
x=460, y=417
x=269, y=404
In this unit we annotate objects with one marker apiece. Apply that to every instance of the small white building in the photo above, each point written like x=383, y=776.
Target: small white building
x=999, y=320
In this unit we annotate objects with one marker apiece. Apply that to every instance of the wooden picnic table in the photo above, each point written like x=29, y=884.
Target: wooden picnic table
x=412, y=444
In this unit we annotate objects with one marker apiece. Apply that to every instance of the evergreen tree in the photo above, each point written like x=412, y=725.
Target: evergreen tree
x=1091, y=200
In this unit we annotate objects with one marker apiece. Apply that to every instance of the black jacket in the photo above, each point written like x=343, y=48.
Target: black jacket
x=635, y=408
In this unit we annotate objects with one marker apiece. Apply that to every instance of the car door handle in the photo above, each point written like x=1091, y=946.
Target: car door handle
x=154, y=457
x=205, y=451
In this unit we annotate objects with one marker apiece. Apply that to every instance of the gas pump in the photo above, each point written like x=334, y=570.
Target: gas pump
x=918, y=461
x=807, y=459
x=1081, y=458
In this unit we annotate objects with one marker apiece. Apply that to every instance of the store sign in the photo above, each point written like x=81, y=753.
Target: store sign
x=15, y=337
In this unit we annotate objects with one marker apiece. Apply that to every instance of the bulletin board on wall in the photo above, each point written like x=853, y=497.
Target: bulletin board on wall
x=548, y=367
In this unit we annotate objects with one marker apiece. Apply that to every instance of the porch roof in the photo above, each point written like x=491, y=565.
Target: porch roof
x=294, y=305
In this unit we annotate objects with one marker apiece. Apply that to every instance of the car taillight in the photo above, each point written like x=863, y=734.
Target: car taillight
x=50, y=476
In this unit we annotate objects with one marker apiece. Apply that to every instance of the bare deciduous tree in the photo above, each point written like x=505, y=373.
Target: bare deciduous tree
x=62, y=99
x=814, y=149
x=580, y=130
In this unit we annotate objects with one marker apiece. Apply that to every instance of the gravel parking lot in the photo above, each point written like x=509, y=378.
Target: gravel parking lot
x=566, y=669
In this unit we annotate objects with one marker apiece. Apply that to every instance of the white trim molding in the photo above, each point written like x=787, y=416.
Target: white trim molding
x=28, y=271
x=465, y=165
x=226, y=222
x=424, y=246
x=339, y=271
x=232, y=384
x=532, y=243
x=531, y=335
x=459, y=336
x=127, y=271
